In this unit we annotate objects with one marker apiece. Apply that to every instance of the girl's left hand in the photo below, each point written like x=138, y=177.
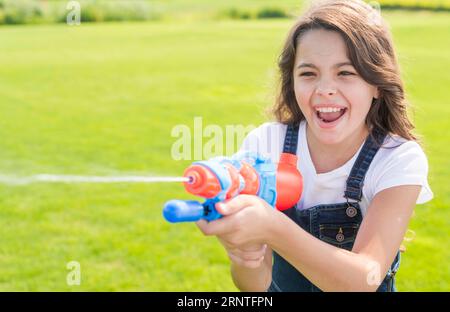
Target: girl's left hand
x=245, y=222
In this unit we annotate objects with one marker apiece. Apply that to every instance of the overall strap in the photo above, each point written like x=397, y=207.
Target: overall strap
x=291, y=139
x=355, y=180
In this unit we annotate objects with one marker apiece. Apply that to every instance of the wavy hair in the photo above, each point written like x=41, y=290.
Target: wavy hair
x=371, y=51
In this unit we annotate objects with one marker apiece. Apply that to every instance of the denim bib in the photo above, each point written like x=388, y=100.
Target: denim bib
x=336, y=224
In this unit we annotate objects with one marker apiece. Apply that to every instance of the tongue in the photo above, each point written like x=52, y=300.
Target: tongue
x=329, y=117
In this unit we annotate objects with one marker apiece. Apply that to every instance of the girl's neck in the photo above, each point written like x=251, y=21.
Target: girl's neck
x=327, y=157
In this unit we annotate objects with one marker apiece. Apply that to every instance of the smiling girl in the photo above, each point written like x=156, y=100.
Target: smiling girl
x=342, y=110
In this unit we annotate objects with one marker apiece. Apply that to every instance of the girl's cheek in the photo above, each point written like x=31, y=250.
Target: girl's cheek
x=303, y=94
x=302, y=101
x=358, y=98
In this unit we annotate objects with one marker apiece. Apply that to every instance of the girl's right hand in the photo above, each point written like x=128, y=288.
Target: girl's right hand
x=251, y=256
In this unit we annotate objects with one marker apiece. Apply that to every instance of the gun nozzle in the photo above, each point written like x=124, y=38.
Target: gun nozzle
x=191, y=179
x=202, y=181
x=195, y=179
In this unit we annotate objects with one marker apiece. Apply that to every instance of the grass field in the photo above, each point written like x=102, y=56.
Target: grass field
x=102, y=99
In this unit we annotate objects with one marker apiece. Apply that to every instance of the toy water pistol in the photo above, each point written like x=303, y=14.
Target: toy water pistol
x=222, y=178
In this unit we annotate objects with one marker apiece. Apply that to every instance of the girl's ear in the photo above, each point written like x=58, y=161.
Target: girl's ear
x=376, y=94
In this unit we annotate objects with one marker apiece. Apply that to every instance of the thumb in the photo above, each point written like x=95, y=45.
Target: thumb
x=234, y=205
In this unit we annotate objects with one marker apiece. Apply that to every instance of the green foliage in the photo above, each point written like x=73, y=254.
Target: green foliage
x=235, y=13
x=271, y=13
x=20, y=12
x=433, y=5
x=92, y=13
x=123, y=11
x=262, y=13
x=36, y=11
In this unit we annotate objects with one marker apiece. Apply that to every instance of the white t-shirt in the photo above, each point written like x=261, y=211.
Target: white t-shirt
x=405, y=164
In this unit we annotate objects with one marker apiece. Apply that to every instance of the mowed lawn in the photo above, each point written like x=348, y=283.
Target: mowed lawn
x=101, y=99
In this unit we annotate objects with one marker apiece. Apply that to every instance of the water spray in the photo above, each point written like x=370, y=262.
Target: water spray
x=216, y=180
x=53, y=178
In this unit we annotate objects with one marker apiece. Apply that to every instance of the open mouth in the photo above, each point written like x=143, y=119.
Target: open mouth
x=330, y=115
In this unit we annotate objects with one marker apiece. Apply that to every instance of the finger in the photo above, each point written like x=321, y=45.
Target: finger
x=246, y=263
x=217, y=227
x=235, y=204
x=227, y=241
x=249, y=255
x=226, y=244
x=202, y=225
x=254, y=247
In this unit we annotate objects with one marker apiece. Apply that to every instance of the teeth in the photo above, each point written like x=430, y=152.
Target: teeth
x=328, y=109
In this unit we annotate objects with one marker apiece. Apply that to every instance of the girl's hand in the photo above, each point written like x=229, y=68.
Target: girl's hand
x=249, y=256
x=243, y=228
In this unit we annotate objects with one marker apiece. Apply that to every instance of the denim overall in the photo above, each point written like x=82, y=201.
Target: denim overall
x=335, y=224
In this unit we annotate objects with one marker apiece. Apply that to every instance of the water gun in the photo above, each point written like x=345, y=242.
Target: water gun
x=222, y=178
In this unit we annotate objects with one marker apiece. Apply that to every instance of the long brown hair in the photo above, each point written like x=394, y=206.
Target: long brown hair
x=371, y=51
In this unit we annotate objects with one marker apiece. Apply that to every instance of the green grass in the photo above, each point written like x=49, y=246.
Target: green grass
x=103, y=98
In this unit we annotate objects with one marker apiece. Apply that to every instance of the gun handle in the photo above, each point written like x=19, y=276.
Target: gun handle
x=183, y=211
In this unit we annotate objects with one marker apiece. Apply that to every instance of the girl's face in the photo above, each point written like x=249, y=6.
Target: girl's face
x=334, y=99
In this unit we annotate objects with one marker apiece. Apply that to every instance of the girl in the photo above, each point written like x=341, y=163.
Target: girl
x=342, y=110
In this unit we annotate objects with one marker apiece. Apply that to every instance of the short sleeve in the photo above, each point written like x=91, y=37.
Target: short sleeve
x=407, y=164
x=265, y=140
x=251, y=141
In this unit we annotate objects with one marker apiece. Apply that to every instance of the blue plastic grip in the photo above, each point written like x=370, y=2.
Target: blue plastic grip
x=183, y=211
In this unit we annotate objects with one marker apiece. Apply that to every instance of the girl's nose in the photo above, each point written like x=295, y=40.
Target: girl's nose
x=327, y=91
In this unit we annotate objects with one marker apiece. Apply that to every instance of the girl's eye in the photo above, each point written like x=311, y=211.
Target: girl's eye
x=307, y=74
x=346, y=73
